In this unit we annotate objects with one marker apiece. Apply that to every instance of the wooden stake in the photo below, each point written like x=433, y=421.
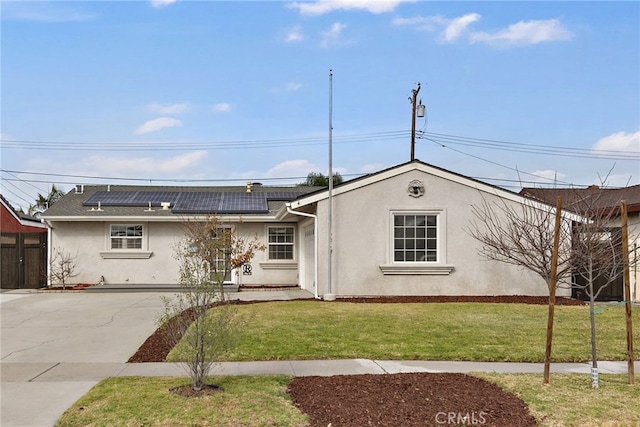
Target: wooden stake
x=552, y=289
x=627, y=290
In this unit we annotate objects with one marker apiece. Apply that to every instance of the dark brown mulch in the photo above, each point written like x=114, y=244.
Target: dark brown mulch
x=415, y=399
x=505, y=299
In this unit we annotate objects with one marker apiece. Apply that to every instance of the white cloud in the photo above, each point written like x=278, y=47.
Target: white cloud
x=332, y=35
x=169, y=108
x=519, y=34
x=620, y=141
x=297, y=167
x=321, y=7
x=294, y=35
x=119, y=166
x=221, y=107
x=458, y=26
x=524, y=33
x=161, y=3
x=157, y=124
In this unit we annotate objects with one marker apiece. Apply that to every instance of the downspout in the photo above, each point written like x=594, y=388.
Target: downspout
x=49, y=249
x=315, y=245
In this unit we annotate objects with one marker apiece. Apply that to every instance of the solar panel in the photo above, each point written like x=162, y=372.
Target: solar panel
x=243, y=202
x=196, y=202
x=156, y=197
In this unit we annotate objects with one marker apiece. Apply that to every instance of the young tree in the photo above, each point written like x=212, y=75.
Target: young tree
x=62, y=267
x=598, y=257
x=199, y=318
x=525, y=235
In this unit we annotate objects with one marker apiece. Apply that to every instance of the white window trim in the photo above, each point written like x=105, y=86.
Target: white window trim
x=439, y=267
x=281, y=263
x=142, y=253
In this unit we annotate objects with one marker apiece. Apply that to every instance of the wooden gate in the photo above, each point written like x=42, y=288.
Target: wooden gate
x=23, y=260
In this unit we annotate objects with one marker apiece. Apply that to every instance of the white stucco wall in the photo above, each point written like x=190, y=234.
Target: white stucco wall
x=362, y=243
x=88, y=242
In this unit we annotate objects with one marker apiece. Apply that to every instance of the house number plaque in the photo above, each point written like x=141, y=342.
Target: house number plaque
x=247, y=270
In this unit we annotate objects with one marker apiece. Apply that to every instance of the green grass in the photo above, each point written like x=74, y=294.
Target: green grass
x=296, y=330
x=569, y=400
x=136, y=401
x=261, y=401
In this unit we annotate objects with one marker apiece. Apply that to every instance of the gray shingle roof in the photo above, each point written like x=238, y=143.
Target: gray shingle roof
x=114, y=201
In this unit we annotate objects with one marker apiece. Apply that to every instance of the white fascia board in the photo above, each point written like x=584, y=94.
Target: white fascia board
x=408, y=167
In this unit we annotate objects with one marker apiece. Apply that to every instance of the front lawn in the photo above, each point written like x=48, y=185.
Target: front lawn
x=295, y=330
x=262, y=401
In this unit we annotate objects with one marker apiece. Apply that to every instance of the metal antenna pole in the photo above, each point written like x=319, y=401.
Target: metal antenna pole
x=330, y=234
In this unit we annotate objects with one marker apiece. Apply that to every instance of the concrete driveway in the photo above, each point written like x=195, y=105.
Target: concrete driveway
x=45, y=333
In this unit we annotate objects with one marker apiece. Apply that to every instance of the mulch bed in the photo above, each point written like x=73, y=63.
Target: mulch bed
x=407, y=400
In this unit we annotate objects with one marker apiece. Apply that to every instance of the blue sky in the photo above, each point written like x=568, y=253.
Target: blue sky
x=217, y=92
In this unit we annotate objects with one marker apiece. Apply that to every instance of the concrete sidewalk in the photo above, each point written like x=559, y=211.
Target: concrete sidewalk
x=57, y=346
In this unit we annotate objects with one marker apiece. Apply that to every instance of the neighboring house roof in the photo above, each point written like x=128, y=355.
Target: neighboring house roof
x=96, y=202
x=15, y=222
x=592, y=197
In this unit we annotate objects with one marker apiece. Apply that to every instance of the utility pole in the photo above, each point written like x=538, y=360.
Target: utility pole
x=420, y=113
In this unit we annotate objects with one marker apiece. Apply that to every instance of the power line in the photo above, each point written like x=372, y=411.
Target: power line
x=196, y=145
x=503, y=146
x=151, y=180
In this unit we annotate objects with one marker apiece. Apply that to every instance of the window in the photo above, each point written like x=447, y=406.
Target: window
x=415, y=238
x=126, y=241
x=281, y=243
x=126, y=236
x=222, y=246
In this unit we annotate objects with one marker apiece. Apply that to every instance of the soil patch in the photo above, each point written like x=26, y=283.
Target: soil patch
x=188, y=391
